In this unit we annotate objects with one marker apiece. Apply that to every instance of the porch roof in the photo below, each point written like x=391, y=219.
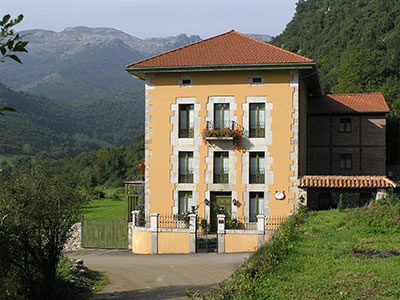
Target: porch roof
x=335, y=181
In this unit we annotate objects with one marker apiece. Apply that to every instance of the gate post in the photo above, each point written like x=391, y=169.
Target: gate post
x=221, y=233
x=154, y=233
x=260, y=230
x=135, y=218
x=192, y=233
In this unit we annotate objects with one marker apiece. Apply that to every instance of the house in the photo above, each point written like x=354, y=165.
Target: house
x=236, y=125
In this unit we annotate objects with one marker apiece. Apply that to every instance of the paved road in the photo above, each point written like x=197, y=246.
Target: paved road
x=135, y=276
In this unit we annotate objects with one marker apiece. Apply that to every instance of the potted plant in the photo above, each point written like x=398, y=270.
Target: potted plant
x=203, y=225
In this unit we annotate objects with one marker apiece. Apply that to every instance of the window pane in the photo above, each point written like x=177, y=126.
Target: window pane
x=260, y=204
x=253, y=165
x=348, y=127
x=226, y=118
x=217, y=116
x=183, y=118
x=342, y=163
x=182, y=202
x=261, y=115
x=225, y=163
x=182, y=164
x=253, y=208
x=261, y=165
x=217, y=164
x=348, y=163
x=253, y=118
x=191, y=118
x=190, y=164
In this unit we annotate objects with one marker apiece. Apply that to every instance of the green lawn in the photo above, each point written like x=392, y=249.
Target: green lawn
x=320, y=262
x=11, y=157
x=108, y=208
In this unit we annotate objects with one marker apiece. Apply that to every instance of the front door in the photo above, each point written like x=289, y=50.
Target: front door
x=221, y=203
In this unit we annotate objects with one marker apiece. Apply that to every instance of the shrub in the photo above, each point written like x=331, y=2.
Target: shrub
x=37, y=209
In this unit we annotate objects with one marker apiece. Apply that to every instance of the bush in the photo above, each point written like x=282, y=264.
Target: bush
x=37, y=209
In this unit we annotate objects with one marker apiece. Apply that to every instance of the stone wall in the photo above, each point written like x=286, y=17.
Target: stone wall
x=74, y=242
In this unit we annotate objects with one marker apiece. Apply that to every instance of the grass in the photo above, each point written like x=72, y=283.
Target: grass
x=318, y=261
x=111, y=207
x=74, y=285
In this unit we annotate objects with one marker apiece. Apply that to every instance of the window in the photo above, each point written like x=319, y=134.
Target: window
x=185, y=201
x=185, y=167
x=186, y=81
x=221, y=115
x=257, y=169
x=186, y=120
x=345, y=125
x=345, y=161
x=221, y=167
x=256, y=205
x=256, y=80
x=257, y=120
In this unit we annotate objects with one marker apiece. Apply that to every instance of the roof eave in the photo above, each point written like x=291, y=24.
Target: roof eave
x=140, y=72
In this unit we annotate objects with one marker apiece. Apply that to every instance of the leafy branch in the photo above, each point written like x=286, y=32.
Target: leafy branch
x=10, y=42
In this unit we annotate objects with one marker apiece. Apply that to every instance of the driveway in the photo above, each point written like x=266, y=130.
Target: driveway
x=135, y=276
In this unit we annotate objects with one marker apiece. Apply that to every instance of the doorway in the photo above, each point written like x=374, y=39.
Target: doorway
x=221, y=203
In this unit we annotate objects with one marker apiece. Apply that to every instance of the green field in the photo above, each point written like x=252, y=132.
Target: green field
x=11, y=158
x=324, y=258
x=112, y=207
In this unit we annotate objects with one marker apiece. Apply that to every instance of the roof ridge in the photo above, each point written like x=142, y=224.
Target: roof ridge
x=179, y=48
x=273, y=46
x=371, y=93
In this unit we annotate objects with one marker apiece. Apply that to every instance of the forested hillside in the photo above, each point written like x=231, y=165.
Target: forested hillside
x=356, y=45
x=48, y=128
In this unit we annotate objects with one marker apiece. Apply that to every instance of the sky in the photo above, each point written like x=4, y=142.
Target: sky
x=155, y=18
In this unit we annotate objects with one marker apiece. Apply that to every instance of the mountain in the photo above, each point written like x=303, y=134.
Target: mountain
x=82, y=62
x=49, y=128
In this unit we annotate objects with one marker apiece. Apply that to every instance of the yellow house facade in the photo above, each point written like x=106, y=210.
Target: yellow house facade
x=225, y=128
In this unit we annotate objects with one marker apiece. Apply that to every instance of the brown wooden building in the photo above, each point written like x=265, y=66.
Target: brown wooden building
x=346, y=149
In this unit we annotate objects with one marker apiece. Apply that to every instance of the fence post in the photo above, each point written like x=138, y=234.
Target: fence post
x=260, y=230
x=154, y=233
x=82, y=219
x=221, y=233
x=135, y=218
x=192, y=233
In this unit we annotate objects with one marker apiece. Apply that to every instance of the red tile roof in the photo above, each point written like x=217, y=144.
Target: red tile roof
x=331, y=181
x=348, y=103
x=230, y=48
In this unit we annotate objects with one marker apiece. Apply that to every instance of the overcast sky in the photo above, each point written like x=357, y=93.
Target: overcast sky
x=156, y=18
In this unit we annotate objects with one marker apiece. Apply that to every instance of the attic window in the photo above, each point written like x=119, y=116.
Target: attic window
x=257, y=80
x=186, y=81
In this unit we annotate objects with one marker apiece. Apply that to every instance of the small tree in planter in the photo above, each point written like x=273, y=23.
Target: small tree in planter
x=203, y=225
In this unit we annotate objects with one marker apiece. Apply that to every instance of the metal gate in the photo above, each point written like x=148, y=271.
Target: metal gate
x=206, y=242
x=105, y=234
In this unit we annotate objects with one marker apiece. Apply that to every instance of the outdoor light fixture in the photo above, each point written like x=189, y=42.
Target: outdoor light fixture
x=235, y=202
x=207, y=202
x=301, y=198
x=193, y=209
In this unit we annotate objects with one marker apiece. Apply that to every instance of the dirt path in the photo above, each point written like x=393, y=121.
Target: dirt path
x=158, y=276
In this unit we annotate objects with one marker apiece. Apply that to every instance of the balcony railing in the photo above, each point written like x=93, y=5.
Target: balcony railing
x=186, y=178
x=186, y=132
x=257, y=178
x=222, y=177
x=257, y=132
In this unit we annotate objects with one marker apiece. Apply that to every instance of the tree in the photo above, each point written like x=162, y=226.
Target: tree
x=38, y=206
x=10, y=42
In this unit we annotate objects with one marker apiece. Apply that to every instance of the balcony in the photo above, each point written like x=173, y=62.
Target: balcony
x=231, y=132
x=186, y=178
x=186, y=132
x=257, y=132
x=257, y=178
x=222, y=177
